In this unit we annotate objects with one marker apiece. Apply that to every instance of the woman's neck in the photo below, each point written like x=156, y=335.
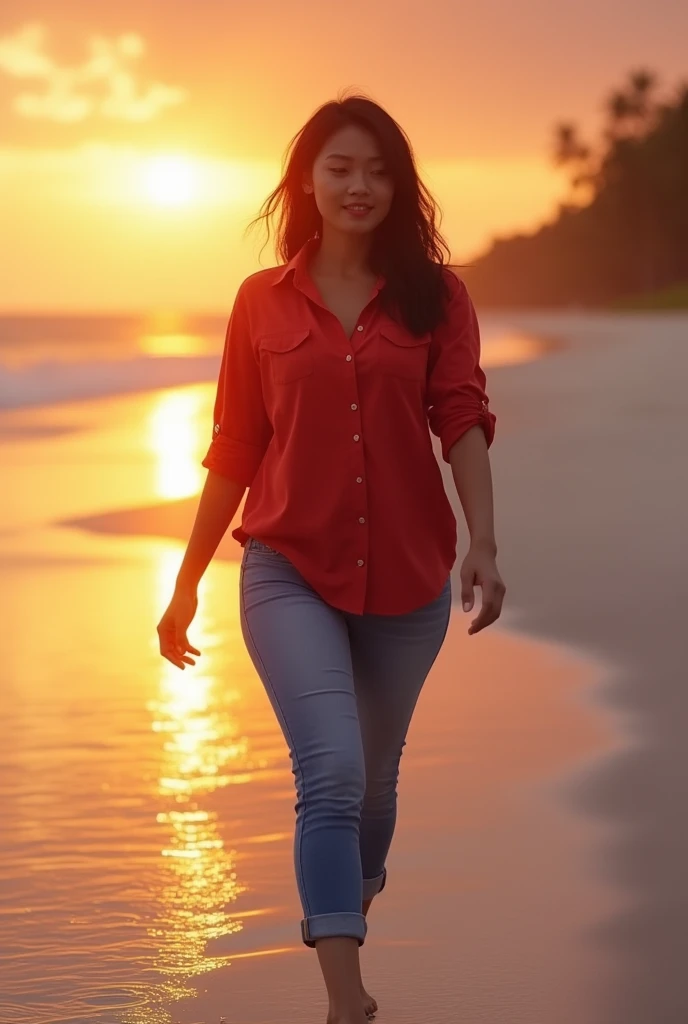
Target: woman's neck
x=342, y=256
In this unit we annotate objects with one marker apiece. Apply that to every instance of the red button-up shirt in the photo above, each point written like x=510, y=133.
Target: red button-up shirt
x=332, y=436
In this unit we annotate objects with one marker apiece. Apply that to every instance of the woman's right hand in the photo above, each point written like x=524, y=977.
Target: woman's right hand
x=174, y=643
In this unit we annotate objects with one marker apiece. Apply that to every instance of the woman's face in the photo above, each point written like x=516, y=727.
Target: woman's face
x=352, y=187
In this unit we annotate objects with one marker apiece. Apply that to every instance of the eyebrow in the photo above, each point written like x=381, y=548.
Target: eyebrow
x=342, y=156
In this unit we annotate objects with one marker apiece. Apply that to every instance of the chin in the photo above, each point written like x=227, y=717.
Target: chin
x=350, y=227
x=360, y=229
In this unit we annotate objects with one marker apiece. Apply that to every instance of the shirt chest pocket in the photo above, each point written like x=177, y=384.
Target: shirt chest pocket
x=402, y=354
x=288, y=355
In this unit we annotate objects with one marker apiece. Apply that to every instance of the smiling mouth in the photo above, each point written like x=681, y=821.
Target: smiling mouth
x=357, y=206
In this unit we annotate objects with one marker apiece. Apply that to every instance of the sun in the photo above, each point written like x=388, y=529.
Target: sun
x=171, y=181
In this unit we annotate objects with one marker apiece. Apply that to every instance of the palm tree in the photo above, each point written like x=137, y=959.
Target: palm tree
x=630, y=110
x=642, y=84
x=568, y=148
x=620, y=108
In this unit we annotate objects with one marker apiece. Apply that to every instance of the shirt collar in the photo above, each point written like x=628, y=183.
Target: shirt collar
x=298, y=265
x=300, y=260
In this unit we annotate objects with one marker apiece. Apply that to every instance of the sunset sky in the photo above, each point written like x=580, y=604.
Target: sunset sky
x=137, y=139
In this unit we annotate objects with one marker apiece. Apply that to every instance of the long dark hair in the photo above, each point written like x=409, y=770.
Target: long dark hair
x=407, y=247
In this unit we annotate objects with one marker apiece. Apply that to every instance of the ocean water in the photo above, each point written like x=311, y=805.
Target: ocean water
x=45, y=359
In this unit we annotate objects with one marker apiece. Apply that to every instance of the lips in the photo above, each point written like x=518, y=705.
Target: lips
x=357, y=206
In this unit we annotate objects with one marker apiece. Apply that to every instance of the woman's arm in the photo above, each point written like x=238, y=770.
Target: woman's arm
x=460, y=416
x=219, y=501
x=241, y=432
x=240, y=436
x=470, y=464
x=217, y=507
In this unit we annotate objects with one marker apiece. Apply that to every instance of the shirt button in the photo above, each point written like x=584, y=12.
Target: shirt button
x=216, y=428
x=357, y=437
x=348, y=359
x=359, y=328
x=361, y=520
x=359, y=479
x=360, y=562
x=354, y=406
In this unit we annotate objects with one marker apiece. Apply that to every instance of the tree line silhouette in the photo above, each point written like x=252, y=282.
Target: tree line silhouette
x=623, y=232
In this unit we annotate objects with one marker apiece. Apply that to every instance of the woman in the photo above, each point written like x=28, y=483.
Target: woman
x=335, y=364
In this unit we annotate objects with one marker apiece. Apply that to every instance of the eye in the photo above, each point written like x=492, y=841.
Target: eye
x=338, y=170
x=381, y=172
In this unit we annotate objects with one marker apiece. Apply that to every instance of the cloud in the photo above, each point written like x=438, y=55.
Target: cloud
x=102, y=86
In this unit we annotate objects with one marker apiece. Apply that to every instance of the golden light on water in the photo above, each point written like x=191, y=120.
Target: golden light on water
x=202, y=751
x=174, y=428
x=174, y=344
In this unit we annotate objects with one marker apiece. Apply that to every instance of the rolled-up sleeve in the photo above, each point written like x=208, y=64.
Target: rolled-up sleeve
x=456, y=395
x=241, y=428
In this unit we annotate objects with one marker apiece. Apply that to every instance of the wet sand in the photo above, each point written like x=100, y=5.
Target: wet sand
x=592, y=525
x=513, y=895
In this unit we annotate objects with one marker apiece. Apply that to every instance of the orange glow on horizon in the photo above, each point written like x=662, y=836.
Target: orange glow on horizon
x=141, y=230
x=132, y=161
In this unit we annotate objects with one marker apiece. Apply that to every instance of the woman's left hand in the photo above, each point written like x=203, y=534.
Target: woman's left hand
x=479, y=568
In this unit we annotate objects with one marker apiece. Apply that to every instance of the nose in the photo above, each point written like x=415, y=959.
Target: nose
x=359, y=186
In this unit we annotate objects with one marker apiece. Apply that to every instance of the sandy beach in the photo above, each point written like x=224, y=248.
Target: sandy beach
x=592, y=526
x=536, y=872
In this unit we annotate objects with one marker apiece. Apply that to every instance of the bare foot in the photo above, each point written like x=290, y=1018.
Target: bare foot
x=369, y=1004
x=354, y=1017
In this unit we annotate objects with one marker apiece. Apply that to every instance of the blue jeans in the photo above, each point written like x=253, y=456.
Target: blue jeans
x=343, y=687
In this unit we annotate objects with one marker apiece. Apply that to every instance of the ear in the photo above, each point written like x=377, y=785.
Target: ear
x=307, y=185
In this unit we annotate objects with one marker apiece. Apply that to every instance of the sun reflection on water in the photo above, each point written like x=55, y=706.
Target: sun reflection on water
x=176, y=344
x=202, y=751
x=174, y=428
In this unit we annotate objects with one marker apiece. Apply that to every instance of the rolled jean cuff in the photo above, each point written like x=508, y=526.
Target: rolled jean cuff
x=325, y=926
x=372, y=886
